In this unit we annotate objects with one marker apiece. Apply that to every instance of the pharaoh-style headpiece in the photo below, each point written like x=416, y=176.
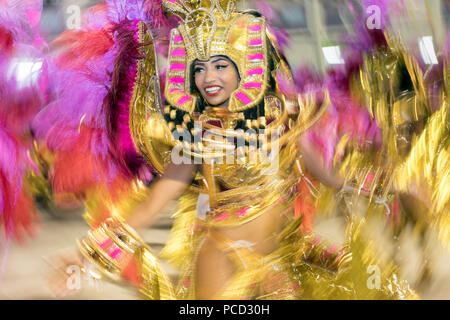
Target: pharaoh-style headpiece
x=215, y=27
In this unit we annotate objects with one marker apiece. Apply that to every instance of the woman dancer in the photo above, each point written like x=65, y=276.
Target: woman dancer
x=227, y=142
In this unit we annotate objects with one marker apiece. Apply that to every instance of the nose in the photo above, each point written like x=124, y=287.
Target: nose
x=210, y=75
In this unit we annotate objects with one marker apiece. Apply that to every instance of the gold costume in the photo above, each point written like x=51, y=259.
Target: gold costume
x=245, y=174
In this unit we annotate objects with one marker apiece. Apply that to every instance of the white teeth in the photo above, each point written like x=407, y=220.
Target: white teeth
x=212, y=89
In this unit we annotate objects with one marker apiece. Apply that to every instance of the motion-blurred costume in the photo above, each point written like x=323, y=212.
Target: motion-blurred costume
x=383, y=155
x=113, y=126
x=22, y=95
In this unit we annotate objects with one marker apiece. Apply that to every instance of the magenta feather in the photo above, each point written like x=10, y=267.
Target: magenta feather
x=23, y=86
x=92, y=78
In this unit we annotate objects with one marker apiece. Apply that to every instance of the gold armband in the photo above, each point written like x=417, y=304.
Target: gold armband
x=121, y=255
x=110, y=247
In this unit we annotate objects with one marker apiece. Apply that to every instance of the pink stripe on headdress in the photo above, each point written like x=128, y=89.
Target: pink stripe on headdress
x=178, y=52
x=183, y=100
x=178, y=38
x=254, y=71
x=176, y=80
x=243, y=97
x=255, y=28
x=252, y=85
x=175, y=90
x=177, y=67
x=255, y=42
x=255, y=56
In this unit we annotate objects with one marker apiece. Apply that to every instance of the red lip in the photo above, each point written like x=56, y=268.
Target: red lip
x=212, y=94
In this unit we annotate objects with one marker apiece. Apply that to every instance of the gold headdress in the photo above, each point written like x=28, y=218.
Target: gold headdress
x=210, y=28
x=215, y=27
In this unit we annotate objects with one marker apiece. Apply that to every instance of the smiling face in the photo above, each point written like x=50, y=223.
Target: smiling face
x=216, y=79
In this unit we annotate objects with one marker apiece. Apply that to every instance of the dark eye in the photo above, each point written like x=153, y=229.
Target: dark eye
x=198, y=69
x=221, y=66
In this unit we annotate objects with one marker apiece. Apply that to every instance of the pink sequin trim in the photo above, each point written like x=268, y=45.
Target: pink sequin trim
x=255, y=28
x=255, y=42
x=175, y=90
x=243, y=97
x=223, y=216
x=178, y=52
x=177, y=67
x=176, y=80
x=177, y=39
x=183, y=100
x=105, y=243
x=255, y=71
x=115, y=253
x=255, y=56
x=242, y=212
x=252, y=85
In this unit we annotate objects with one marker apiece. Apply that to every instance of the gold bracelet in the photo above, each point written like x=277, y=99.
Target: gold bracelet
x=110, y=247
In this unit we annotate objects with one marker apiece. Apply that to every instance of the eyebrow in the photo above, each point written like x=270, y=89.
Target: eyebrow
x=219, y=59
x=202, y=63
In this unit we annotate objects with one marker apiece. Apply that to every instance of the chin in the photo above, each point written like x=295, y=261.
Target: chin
x=216, y=102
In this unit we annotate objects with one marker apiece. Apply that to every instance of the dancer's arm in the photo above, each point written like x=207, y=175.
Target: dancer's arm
x=169, y=187
x=315, y=165
x=174, y=181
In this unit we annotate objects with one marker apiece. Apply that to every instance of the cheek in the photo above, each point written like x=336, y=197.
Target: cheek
x=232, y=79
x=198, y=80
